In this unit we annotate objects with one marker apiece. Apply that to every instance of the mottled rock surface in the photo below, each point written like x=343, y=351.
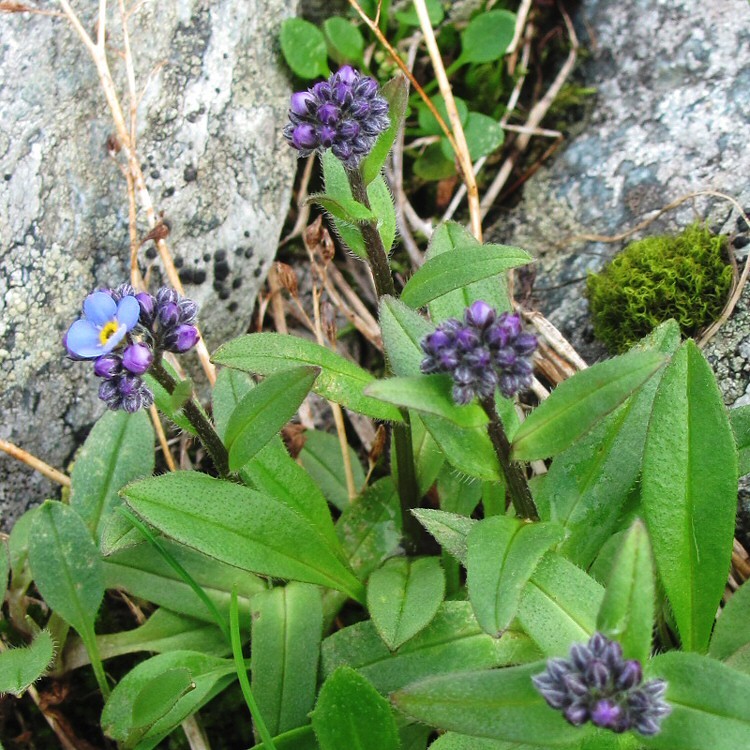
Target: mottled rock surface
x=214, y=161
x=671, y=115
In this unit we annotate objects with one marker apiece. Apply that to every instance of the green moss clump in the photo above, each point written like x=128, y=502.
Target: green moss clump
x=685, y=277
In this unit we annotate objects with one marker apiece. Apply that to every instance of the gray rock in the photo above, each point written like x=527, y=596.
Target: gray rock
x=670, y=117
x=214, y=161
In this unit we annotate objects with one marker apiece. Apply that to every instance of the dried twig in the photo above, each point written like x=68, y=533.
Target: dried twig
x=159, y=429
x=460, y=146
x=34, y=462
x=304, y=207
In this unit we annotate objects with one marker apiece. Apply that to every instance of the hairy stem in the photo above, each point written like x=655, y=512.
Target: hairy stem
x=520, y=494
x=206, y=432
x=408, y=490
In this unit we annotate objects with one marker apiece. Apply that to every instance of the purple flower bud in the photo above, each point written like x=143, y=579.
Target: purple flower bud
x=347, y=75
x=360, y=108
x=329, y=113
x=342, y=94
x=183, y=338
x=147, y=304
x=128, y=383
x=322, y=90
x=349, y=129
x=109, y=390
x=466, y=339
x=630, y=675
x=479, y=314
x=300, y=101
x=188, y=310
x=169, y=314
x=327, y=135
x=167, y=294
x=304, y=137
x=342, y=151
x=605, y=714
x=366, y=87
x=597, y=675
x=137, y=358
x=577, y=714
x=108, y=366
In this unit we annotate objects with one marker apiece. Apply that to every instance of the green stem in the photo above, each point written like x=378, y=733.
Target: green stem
x=206, y=432
x=92, y=647
x=177, y=567
x=520, y=494
x=239, y=663
x=408, y=490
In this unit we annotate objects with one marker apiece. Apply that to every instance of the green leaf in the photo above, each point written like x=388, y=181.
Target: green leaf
x=627, y=611
x=230, y=388
x=448, y=272
x=182, y=392
x=732, y=631
x=403, y=596
x=589, y=484
x=452, y=642
x=502, y=553
x=297, y=739
x=21, y=667
x=142, y=572
x=452, y=237
x=428, y=459
x=322, y=460
x=578, y=403
x=66, y=565
x=396, y=93
x=241, y=527
x=409, y=16
x=431, y=165
x=689, y=492
x=457, y=493
x=163, y=631
x=453, y=741
x=345, y=39
x=709, y=704
x=498, y=703
x=264, y=411
x=342, y=207
x=350, y=713
x=119, y=449
x=430, y=394
x=488, y=36
x=304, y=48
x=340, y=380
x=209, y=674
x=559, y=605
x=274, y=472
x=449, y=529
x=286, y=634
x=428, y=124
x=159, y=696
x=483, y=136
x=739, y=418
x=468, y=450
x=163, y=399
x=4, y=568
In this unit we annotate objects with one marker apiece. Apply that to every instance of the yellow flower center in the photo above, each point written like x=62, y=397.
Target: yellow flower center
x=108, y=331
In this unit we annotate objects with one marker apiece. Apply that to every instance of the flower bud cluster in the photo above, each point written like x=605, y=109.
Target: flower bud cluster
x=346, y=113
x=123, y=332
x=596, y=684
x=482, y=353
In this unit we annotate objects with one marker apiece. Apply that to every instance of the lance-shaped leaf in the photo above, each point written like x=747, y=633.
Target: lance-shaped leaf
x=454, y=741
x=559, y=605
x=429, y=394
x=264, y=411
x=4, y=568
x=577, y=404
x=449, y=529
x=230, y=388
x=498, y=703
x=143, y=572
x=342, y=207
x=165, y=401
x=296, y=739
x=22, y=666
x=732, y=631
x=240, y=527
x=467, y=449
x=350, y=713
x=627, y=611
x=709, y=704
x=396, y=93
x=209, y=675
x=340, y=380
x=689, y=492
x=502, y=555
x=428, y=458
x=739, y=418
x=403, y=596
x=451, y=237
x=286, y=634
x=157, y=698
x=66, y=565
x=448, y=272
x=452, y=642
x=119, y=449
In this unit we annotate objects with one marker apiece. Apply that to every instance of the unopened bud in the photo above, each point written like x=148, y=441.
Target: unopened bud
x=287, y=278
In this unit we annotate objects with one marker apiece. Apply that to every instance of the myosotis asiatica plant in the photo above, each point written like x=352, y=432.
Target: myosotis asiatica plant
x=571, y=609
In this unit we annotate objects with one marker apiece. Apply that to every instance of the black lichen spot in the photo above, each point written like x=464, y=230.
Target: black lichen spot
x=224, y=294
x=221, y=270
x=237, y=283
x=218, y=286
x=249, y=252
x=8, y=177
x=179, y=261
x=220, y=255
x=190, y=174
x=257, y=272
x=232, y=307
x=199, y=276
x=247, y=233
x=168, y=193
x=186, y=275
x=206, y=257
x=155, y=174
x=150, y=253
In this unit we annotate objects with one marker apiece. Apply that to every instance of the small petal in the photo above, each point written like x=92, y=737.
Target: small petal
x=82, y=340
x=99, y=308
x=128, y=312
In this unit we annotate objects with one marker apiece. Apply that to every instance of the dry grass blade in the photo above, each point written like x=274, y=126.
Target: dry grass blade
x=35, y=463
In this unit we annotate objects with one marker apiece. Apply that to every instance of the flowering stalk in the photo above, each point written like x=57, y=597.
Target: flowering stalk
x=194, y=414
